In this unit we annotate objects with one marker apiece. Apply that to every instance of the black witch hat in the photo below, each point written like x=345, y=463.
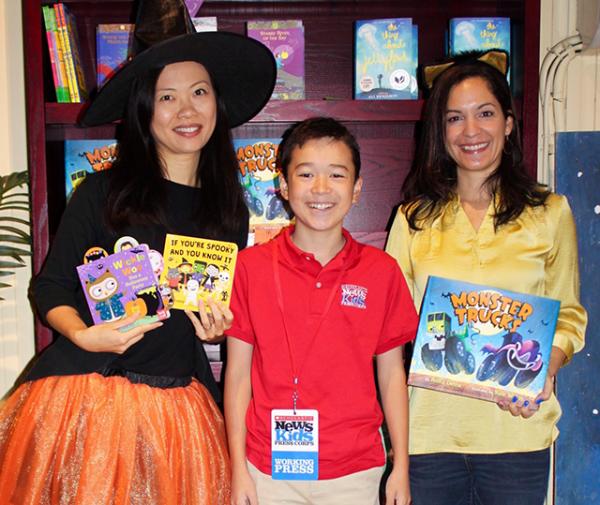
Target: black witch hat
x=242, y=69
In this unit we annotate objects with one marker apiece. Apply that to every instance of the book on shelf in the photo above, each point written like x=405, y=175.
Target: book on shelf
x=83, y=157
x=68, y=38
x=285, y=39
x=205, y=23
x=197, y=269
x=122, y=284
x=56, y=60
x=114, y=46
x=385, y=66
x=483, y=342
x=468, y=34
x=259, y=177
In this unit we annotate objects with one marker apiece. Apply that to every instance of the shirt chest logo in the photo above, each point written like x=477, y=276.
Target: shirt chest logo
x=354, y=296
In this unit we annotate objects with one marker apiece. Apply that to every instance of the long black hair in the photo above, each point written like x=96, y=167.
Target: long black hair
x=431, y=181
x=137, y=187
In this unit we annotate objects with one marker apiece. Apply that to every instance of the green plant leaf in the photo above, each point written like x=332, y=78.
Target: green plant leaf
x=16, y=231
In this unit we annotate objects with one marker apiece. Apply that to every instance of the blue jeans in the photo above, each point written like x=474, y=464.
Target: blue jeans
x=480, y=479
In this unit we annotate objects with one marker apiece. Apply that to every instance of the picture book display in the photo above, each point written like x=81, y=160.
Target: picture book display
x=260, y=181
x=482, y=342
x=197, y=268
x=86, y=156
x=285, y=39
x=467, y=34
x=120, y=285
x=114, y=46
x=385, y=67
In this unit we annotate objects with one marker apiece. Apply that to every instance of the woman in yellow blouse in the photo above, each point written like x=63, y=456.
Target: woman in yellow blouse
x=472, y=213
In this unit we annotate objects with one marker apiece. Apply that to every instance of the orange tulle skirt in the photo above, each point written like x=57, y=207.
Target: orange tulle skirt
x=94, y=440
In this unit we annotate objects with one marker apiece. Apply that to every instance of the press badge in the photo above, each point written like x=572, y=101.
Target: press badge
x=294, y=444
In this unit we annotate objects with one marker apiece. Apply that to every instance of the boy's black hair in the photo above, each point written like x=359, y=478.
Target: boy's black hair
x=311, y=129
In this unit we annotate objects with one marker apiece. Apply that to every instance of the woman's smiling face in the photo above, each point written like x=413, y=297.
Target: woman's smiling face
x=475, y=128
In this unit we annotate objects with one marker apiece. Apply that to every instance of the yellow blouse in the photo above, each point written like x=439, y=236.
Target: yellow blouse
x=536, y=254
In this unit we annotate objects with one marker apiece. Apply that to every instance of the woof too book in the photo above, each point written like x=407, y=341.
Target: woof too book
x=120, y=285
x=482, y=342
x=197, y=268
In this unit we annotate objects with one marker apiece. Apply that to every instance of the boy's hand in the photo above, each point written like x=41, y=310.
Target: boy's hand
x=243, y=489
x=210, y=326
x=397, y=489
x=108, y=337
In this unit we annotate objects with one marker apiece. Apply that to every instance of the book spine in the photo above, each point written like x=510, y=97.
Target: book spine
x=68, y=57
x=65, y=96
x=56, y=57
x=73, y=41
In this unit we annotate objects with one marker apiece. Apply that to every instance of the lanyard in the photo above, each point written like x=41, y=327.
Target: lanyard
x=279, y=292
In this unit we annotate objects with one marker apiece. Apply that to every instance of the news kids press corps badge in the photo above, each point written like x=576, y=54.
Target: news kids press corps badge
x=294, y=444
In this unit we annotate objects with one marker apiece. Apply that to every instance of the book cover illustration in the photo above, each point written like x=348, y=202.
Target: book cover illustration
x=197, y=268
x=384, y=60
x=259, y=177
x=482, y=342
x=467, y=34
x=86, y=156
x=120, y=285
x=285, y=39
x=114, y=45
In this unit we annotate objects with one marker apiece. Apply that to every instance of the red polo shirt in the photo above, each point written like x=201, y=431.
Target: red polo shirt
x=371, y=313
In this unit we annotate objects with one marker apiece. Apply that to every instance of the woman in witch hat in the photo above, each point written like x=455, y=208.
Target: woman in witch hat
x=126, y=416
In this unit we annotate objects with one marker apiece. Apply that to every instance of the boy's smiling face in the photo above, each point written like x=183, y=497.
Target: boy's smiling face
x=321, y=185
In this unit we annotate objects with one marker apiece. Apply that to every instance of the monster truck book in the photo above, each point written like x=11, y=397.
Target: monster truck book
x=482, y=342
x=122, y=284
x=197, y=268
x=83, y=157
x=260, y=180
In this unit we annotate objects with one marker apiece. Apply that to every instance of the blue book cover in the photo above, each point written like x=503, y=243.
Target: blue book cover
x=113, y=49
x=260, y=180
x=86, y=156
x=467, y=34
x=482, y=342
x=384, y=59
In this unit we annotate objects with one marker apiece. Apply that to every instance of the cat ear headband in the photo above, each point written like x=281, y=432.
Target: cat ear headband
x=496, y=59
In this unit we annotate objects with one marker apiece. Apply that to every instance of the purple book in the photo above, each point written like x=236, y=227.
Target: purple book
x=122, y=284
x=113, y=49
x=285, y=39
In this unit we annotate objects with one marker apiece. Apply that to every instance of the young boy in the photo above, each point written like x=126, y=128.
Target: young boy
x=311, y=309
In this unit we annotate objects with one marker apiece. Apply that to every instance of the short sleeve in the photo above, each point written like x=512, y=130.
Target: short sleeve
x=400, y=318
x=241, y=327
x=79, y=227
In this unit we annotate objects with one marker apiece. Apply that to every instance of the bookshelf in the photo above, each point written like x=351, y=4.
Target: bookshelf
x=386, y=130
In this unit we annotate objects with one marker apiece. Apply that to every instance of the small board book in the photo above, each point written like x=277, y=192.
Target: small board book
x=86, y=156
x=259, y=177
x=467, y=34
x=197, y=268
x=482, y=342
x=205, y=23
x=385, y=66
x=114, y=46
x=122, y=284
x=285, y=39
